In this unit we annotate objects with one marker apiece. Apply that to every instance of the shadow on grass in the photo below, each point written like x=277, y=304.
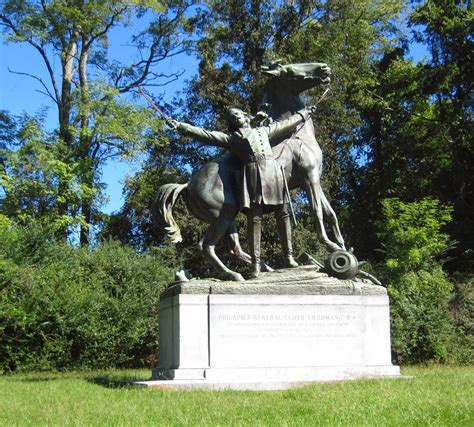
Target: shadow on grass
x=38, y=378
x=103, y=379
x=113, y=381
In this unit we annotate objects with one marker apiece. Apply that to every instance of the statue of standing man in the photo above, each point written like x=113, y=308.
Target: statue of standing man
x=263, y=182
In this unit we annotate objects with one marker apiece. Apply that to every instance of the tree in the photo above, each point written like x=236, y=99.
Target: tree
x=423, y=328
x=94, y=123
x=416, y=134
x=446, y=27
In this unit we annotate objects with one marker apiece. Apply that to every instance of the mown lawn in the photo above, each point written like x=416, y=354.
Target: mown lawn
x=435, y=396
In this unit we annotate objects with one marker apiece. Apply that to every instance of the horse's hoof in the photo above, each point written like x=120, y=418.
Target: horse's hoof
x=233, y=276
x=256, y=271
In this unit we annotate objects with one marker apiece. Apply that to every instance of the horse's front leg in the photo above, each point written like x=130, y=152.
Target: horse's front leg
x=332, y=220
x=315, y=195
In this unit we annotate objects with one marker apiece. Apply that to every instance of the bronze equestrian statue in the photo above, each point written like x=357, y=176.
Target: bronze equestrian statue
x=262, y=180
x=213, y=196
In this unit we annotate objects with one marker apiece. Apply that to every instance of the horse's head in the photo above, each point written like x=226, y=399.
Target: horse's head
x=305, y=75
x=286, y=83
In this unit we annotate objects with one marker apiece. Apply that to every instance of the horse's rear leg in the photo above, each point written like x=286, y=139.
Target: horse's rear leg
x=332, y=219
x=236, y=248
x=315, y=193
x=208, y=244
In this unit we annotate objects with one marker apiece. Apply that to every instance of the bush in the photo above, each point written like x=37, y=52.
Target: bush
x=462, y=307
x=65, y=307
x=423, y=325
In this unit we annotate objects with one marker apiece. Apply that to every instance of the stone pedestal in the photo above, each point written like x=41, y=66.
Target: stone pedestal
x=283, y=329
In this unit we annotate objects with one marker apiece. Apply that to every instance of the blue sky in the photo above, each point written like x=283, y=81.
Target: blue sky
x=20, y=93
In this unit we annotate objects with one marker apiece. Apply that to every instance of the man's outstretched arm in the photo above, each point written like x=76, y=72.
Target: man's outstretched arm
x=214, y=138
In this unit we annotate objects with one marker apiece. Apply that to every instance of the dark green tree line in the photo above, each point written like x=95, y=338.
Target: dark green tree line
x=396, y=135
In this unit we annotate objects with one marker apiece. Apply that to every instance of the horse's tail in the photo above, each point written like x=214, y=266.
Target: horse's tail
x=165, y=199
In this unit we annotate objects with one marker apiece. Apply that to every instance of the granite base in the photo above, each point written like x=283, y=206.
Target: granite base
x=287, y=328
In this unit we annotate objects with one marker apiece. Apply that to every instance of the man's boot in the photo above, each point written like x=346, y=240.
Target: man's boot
x=284, y=229
x=254, y=236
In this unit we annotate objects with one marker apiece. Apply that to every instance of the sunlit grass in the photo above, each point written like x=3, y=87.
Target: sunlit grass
x=435, y=396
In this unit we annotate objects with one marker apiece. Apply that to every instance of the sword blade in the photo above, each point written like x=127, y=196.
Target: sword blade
x=153, y=105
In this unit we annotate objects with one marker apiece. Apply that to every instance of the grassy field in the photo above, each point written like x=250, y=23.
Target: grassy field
x=435, y=396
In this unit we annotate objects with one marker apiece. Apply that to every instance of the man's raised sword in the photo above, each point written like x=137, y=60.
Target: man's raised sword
x=167, y=118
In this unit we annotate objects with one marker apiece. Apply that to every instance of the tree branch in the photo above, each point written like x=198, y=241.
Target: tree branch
x=9, y=24
x=171, y=78
x=144, y=72
x=38, y=79
x=107, y=27
x=152, y=59
x=153, y=56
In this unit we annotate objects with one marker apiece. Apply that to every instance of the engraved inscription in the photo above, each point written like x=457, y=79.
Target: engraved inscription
x=287, y=325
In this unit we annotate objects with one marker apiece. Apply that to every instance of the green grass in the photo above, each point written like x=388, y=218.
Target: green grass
x=435, y=396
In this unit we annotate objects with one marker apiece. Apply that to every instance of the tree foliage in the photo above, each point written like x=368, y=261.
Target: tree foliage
x=36, y=182
x=446, y=28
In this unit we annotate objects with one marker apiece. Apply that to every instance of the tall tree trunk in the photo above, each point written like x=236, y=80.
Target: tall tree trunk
x=87, y=163
x=67, y=61
x=64, y=109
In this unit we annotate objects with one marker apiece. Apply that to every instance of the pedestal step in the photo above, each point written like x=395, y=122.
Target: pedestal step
x=262, y=379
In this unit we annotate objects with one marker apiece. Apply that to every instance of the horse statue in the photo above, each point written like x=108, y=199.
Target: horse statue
x=212, y=195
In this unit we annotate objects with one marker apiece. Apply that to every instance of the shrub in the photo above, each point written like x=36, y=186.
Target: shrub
x=67, y=307
x=462, y=307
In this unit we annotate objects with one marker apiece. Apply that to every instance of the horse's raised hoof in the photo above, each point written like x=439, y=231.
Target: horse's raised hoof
x=265, y=267
x=232, y=276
